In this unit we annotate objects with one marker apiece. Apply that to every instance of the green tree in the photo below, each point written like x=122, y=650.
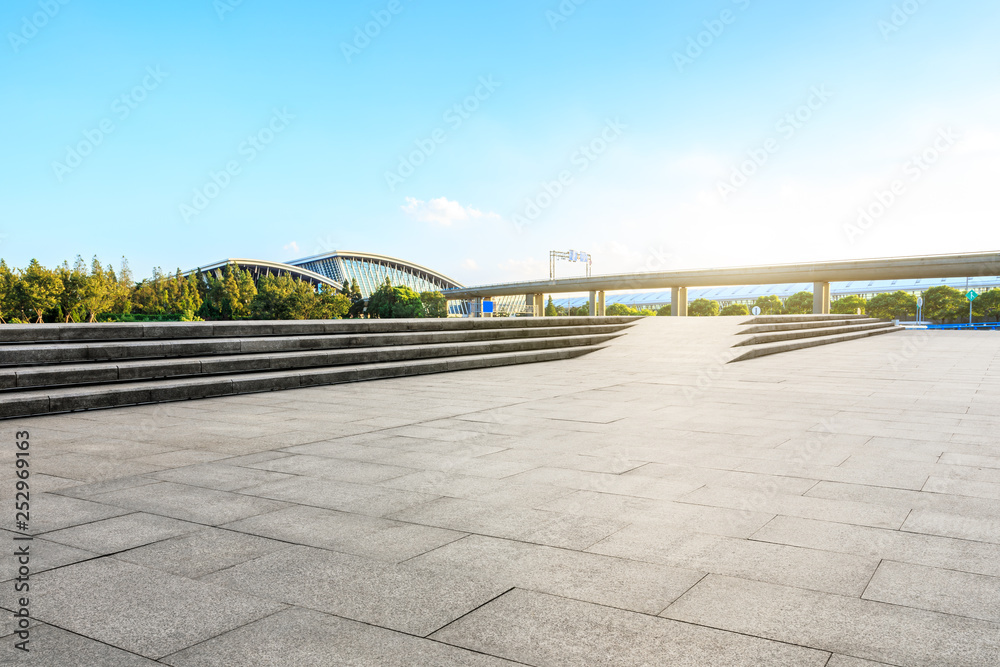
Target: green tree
x=274, y=298
x=664, y=310
x=703, y=308
x=40, y=289
x=848, y=305
x=331, y=305
x=99, y=291
x=9, y=293
x=893, y=306
x=945, y=303
x=988, y=305
x=71, y=300
x=123, y=289
x=618, y=310
x=399, y=301
x=735, y=309
x=769, y=305
x=353, y=292
x=437, y=304
x=800, y=303
x=550, y=308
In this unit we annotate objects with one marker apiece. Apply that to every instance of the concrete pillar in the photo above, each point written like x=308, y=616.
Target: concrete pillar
x=821, y=298
x=679, y=301
x=600, y=304
x=536, y=304
x=593, y=304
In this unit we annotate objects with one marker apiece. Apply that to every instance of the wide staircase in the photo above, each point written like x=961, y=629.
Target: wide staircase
x=50, y=368
x=771, y=334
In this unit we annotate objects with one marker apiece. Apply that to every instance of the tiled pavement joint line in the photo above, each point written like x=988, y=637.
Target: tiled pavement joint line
x=226, y=632
x=471, y=611
x=869, y=583
x=442, y=546
x=658, y=617
x=92, y=639
x=686, y=591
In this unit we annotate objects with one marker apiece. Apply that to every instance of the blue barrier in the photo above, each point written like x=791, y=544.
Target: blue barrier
x=984, y=326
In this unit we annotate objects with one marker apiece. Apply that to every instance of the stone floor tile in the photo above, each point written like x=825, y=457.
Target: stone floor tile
x=936, y=589
x=542, y=527
x=304, y=638
x=616, y=582
x=122, y=532
x=539, y=629
x=189, y=503
x=851, y=626
x=410, y=598
x=381, y=539
x=140, y=610
x=50, y=646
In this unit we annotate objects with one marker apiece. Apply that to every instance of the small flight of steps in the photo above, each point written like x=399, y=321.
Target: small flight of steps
x=772, y=334
x=51, y=368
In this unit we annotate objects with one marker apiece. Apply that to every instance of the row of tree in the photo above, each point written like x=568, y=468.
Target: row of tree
x=99, y=293
x=941, y=304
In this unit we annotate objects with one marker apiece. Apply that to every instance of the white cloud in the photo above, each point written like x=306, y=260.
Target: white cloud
x=293, y=247
x=443, y=211
x=470, y=264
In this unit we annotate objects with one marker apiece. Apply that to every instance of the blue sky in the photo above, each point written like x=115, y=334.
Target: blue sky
x=653, y=135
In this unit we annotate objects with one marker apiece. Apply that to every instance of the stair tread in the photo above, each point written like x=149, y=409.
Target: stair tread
x=20, y=379
x=65, y=352
x=802, y=343
x=797, y=334
x=62, y=399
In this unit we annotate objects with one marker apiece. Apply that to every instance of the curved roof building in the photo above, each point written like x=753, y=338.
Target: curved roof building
x=371, y=270
x=334, y=268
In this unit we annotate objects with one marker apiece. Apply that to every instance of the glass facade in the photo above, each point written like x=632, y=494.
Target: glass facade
x=371, y=271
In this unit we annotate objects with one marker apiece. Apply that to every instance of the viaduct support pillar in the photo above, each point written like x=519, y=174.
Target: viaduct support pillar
x=821, y=298
x=600, y=304
x=679, y=301
x=592, y=304
x=536, y=304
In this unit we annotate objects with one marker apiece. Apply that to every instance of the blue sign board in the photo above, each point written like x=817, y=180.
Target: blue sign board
x=487, y=306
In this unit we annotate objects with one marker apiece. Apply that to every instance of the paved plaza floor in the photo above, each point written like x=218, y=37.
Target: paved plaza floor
x=647, y=504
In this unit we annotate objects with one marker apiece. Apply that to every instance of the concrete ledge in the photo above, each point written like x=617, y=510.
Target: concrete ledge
x=788, y=346
x=779, y=319
x=795, y=326
x=810, y=333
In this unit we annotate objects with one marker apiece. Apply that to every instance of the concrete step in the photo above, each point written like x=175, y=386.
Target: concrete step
x=35, y=333
x=778, y=319
x=47, y=401
x=817, y=324
x=788, y=346
x=83, y=351
x=20, y=378
x=778, y=336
